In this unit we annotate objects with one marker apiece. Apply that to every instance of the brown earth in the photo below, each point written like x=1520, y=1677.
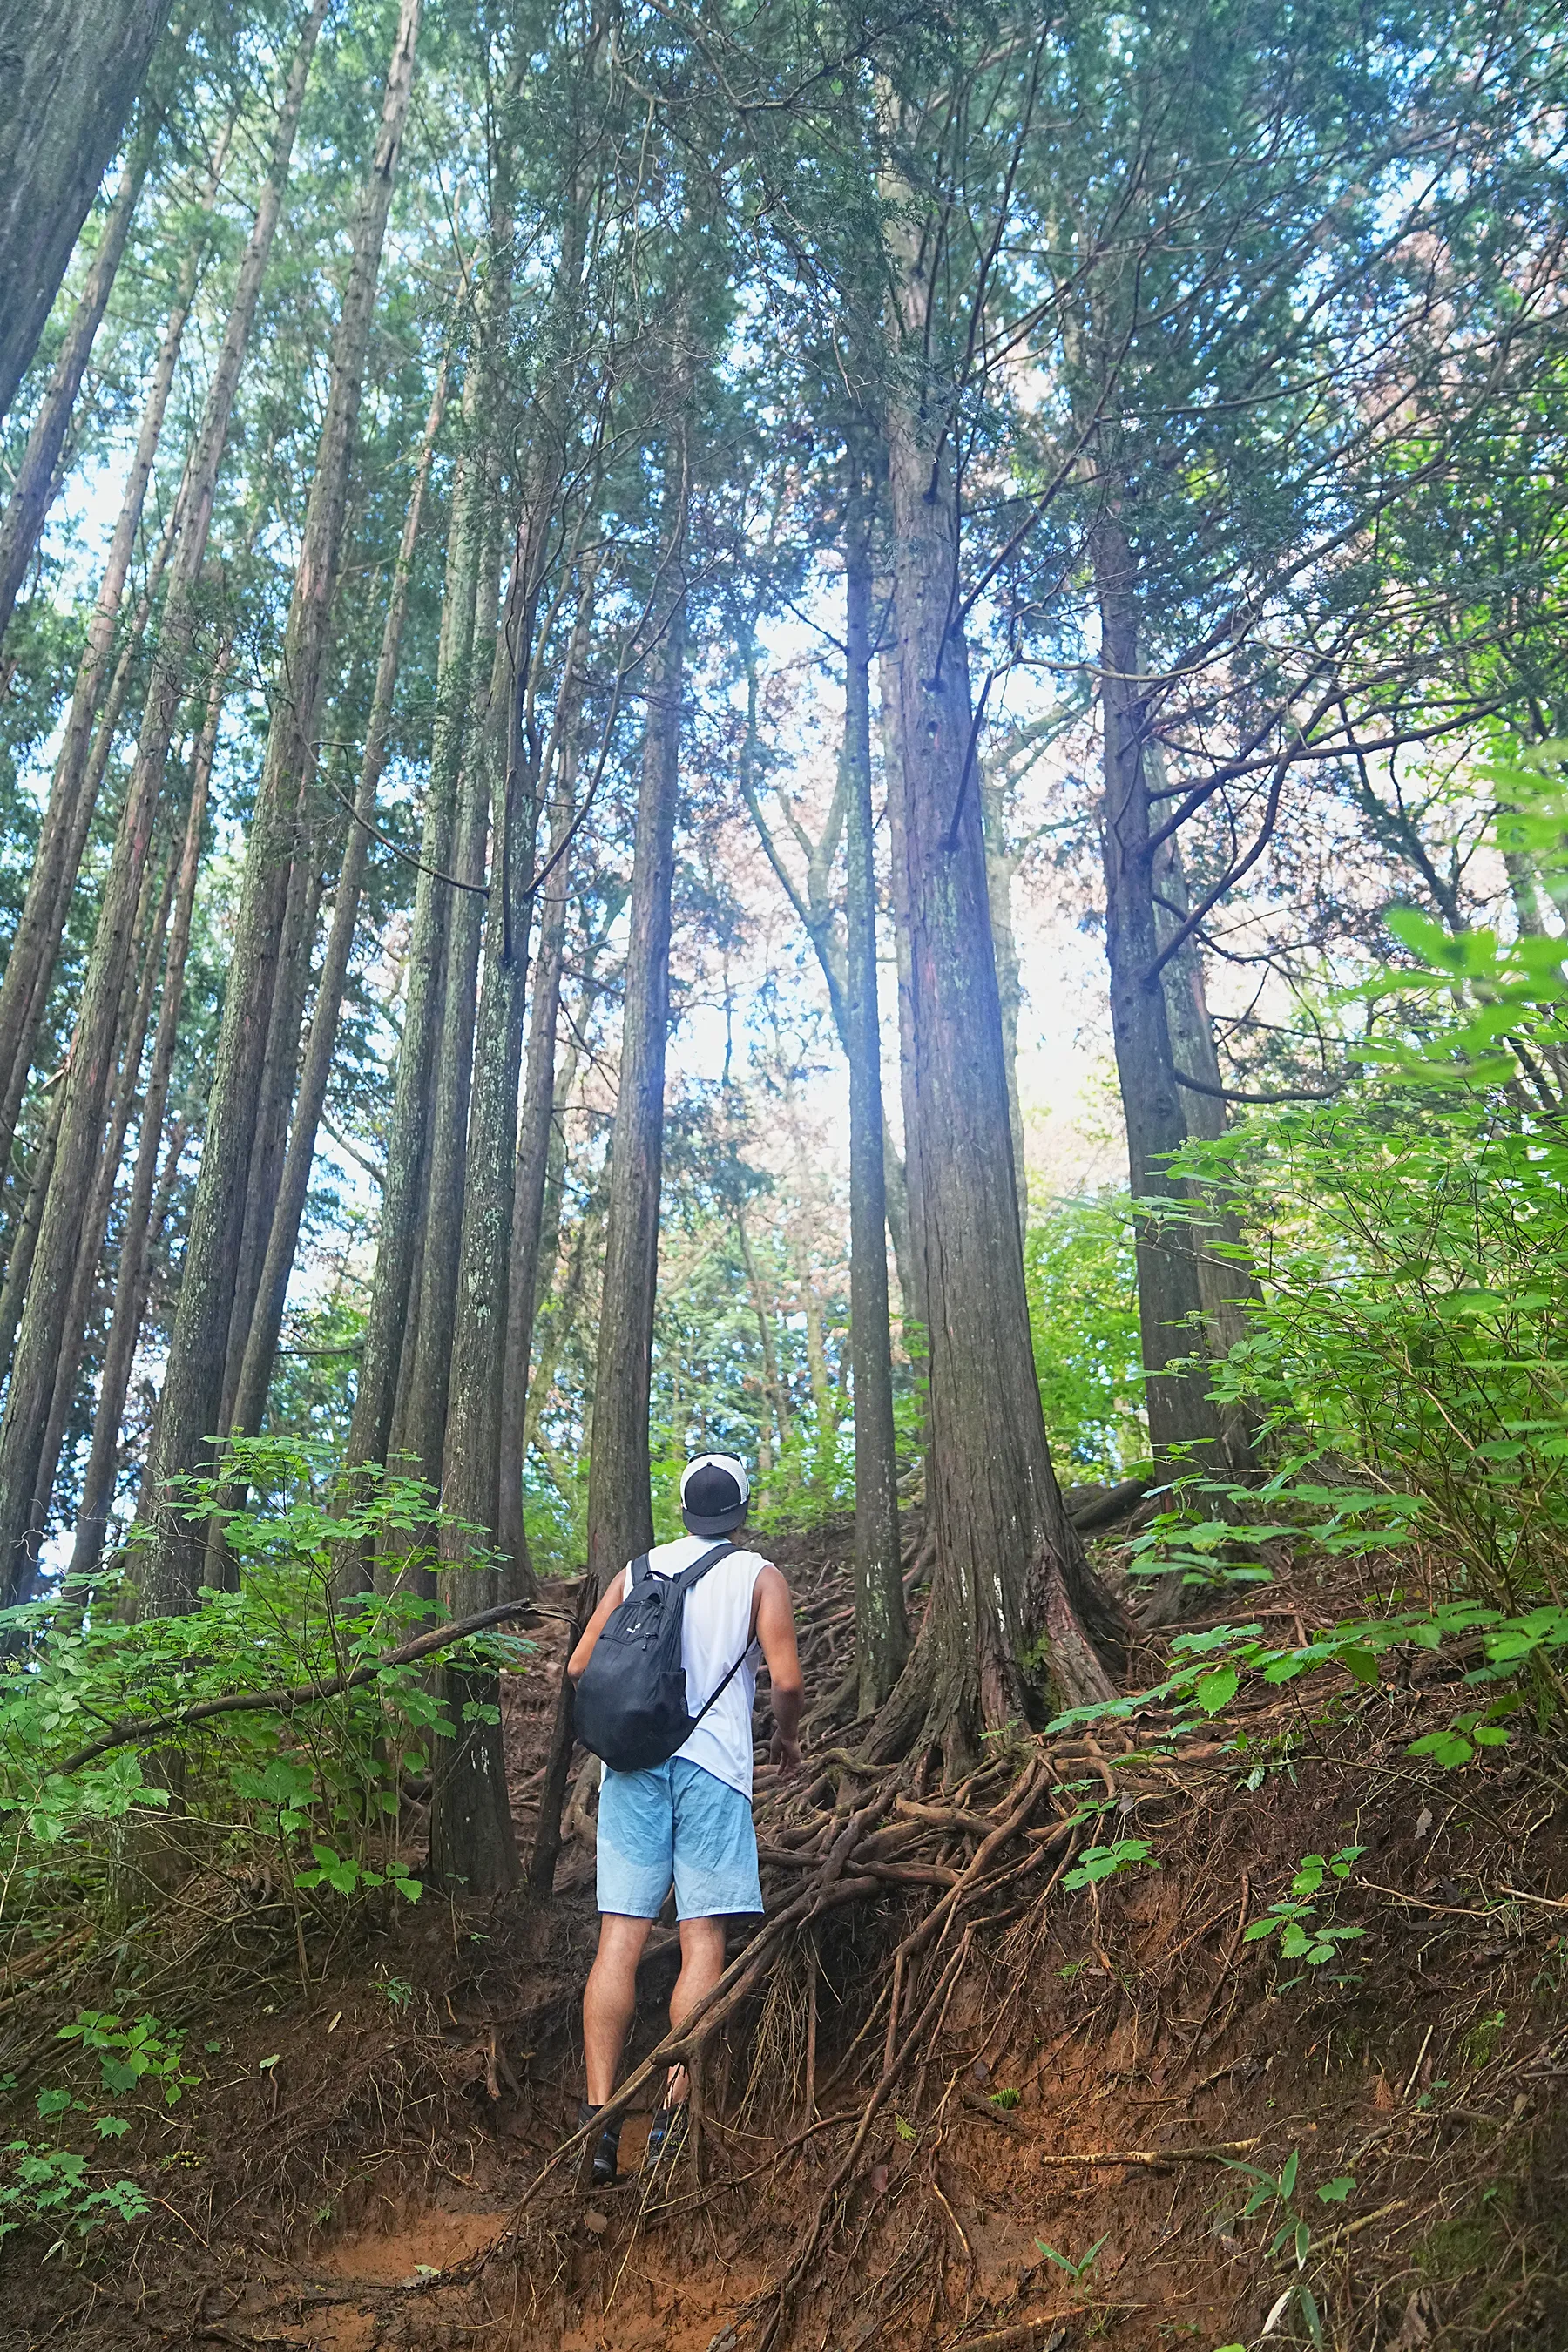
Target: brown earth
x=352, y=2171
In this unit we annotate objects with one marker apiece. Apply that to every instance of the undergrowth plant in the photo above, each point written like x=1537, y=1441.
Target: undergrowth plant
x=310, y=1782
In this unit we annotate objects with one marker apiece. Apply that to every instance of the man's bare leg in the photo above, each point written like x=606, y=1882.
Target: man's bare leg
x=702, y=1965
x=610, y=2000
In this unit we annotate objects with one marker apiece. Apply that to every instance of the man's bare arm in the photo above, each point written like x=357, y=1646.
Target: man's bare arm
x=614, y=1592
x=776, y=1631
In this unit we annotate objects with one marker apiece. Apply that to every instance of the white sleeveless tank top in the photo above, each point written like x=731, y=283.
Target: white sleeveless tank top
x=716, y=1631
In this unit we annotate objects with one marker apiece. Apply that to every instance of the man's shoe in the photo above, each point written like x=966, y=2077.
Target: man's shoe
x=609, y=2148
x=666, y=2135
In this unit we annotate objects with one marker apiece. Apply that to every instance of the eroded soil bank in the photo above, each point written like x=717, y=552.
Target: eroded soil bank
x=968, y=2104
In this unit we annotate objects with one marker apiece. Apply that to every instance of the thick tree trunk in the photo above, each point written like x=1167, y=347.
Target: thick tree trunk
x=535, y=1128
x=141, y=1221
x=620, y=1509
x=471, y=1837
x=272, y=1290
x=81, y=1120
x=1008, y=1567
x=71, y=76
x=1170, y=1296
x=188, y=1409
x=881, y=1630
x=37, y=474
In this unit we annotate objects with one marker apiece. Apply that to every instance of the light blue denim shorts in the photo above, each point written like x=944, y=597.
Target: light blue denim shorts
x=677, y=1825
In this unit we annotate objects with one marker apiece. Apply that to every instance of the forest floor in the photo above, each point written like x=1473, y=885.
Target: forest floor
x=952, y=2079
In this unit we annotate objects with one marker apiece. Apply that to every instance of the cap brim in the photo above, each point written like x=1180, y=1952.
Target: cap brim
x=711, y=1526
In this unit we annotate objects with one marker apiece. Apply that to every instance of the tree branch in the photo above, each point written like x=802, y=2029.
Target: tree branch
x=285, y=1702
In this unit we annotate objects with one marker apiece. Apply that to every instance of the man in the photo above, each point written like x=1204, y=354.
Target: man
x=688, y=1823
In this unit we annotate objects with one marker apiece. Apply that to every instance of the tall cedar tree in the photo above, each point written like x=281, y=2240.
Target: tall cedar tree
x=189, y=1408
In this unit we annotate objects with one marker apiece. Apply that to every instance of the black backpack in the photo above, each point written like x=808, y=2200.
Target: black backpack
x=631, y=1701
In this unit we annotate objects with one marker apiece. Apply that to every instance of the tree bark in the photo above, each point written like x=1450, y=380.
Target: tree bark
x=882, y=1630
x=261, y=1341
x=999, y=868
x=391, y=1331
x=816, y=918
x=71, y=77
x=25, y=1243
x=1008, y=1568
x=620, y=1509
x=94, y=1228
x=535, y=1127
x=420, y=1429
x=1170, y=1297
x=81, y=1119
x=71, y=808
x=142, y=1223
x=189, y=1408
x=1228, y=1283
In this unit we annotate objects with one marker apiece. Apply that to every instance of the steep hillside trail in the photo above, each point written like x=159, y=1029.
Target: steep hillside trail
x=969, y=2086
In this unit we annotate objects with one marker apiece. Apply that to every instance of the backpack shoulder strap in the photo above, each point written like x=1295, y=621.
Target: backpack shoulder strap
x=642, y=1573
x=699, y=1568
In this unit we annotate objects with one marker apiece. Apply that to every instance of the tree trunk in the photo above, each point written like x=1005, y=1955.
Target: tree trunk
x=71, y=74
x=620, y=1509
x=391, y=1331
x=1170, y=1297
x=535, y=1128
x=25, y=1243
x=1008, y=1567
x=96, y=1225
x=471, y=1835
x=17, y=1562
x=81, y=1119
x=280, y=1069
x=261, y=1340
x=1228, y=1283
x=37, y=473
x=71, y=808
x=189, y=1408
x=97, y=1501
x=999, y=869
x=419, y=1432
x=881, y=1630
x=140, y=1222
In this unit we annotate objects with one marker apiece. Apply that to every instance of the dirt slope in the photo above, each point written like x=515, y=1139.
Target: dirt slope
x=365, y=2162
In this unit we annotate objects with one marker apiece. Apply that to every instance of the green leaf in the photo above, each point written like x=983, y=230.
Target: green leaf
x=1215, y=1689
x=1287, y=2178
x=1335, y=2191
x=1313, y=2317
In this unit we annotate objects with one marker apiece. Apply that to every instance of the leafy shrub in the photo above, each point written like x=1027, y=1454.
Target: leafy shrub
x=314, y=1785
x=1415, y=1258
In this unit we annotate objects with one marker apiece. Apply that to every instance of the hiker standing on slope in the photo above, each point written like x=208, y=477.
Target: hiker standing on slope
x=668, y=1704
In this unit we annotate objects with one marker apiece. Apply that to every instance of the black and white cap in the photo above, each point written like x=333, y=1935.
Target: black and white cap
x=714, y=1493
